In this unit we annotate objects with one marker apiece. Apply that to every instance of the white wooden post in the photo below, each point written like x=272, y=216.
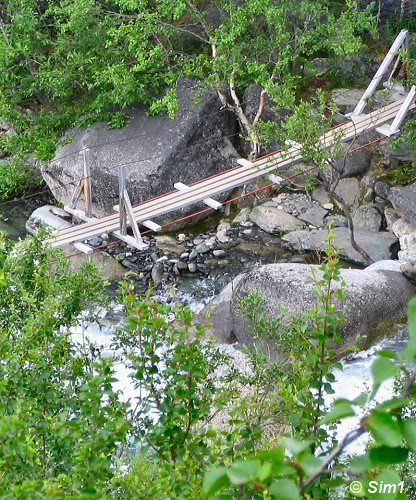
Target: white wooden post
x=394, y=128
x=379, y=74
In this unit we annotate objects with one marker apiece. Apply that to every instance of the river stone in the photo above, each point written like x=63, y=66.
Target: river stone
x=314, y=215
x=373, y=299
x=379, y=246
x=243, y=216
x=274, y=220
x=367, y=217
x=194, y=145
x=403, y=200
x=406, y=232
x=169, y=245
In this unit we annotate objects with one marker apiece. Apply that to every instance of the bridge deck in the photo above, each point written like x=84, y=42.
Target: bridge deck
x=206, y=188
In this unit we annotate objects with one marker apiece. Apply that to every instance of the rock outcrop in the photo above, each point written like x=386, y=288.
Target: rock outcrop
x=374, y=299
x=379, y=246
x=158, y=151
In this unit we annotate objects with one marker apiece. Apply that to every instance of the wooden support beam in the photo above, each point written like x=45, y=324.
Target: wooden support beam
x=394, y=128
x=400, y=40
x=216, y=205
x=245, y=163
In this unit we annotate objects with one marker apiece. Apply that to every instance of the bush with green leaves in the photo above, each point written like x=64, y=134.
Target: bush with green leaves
x=72, y=63
x=61, y=422
x=300, y=468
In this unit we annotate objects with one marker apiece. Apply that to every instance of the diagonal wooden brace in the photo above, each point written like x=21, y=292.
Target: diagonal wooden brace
x=126, y=216
x=216, y=205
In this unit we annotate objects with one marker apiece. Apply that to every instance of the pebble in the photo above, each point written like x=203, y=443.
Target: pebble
x=182, y=266
x=193, y=255
x=184, y=256
x=219, y=253
x=181, y=238
x=202, y=248
x=162, y=259
x=328, y=206
x=192, y=267
x=198, y=241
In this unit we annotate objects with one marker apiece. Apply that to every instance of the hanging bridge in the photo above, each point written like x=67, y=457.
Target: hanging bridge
x=386, y=121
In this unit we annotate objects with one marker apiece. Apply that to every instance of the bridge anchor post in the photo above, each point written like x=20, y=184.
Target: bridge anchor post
x=126, y=216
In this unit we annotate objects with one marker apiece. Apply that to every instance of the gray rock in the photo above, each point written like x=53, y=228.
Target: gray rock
x=202, y=248
x=192, y=266
x=406, y=232
x=391, y=216
x=405, y=152
x=243, y=216
x=219, y=253
x=373, y=300
x=382, y=189
x=320, y=195
x=274, y=220
x=349, y=190
x=182, y=266
x=408, y=256
x=96, y=241
x=367, y=217
x=409, y=271
x=191, y=146
x=61, y=213
x=347, y=99
x=337, y=220
x=168, y=244
x=314, y=215
x=357, y=163
x=157, y=273
x=403, y=200
x=379, y=246
x=218, y=315
x=193, y=255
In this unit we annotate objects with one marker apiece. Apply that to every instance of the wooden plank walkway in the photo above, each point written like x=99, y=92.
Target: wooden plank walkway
x=206, y=188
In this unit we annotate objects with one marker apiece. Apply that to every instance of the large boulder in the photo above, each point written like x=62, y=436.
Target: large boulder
x=158, y=151
x=403, y=200
x=379, y=246
x=374, y=299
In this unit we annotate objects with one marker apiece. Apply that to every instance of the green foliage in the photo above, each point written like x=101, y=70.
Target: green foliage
x=64, y=430
x=61, y=421
x=69, y=63
x=297, y=469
